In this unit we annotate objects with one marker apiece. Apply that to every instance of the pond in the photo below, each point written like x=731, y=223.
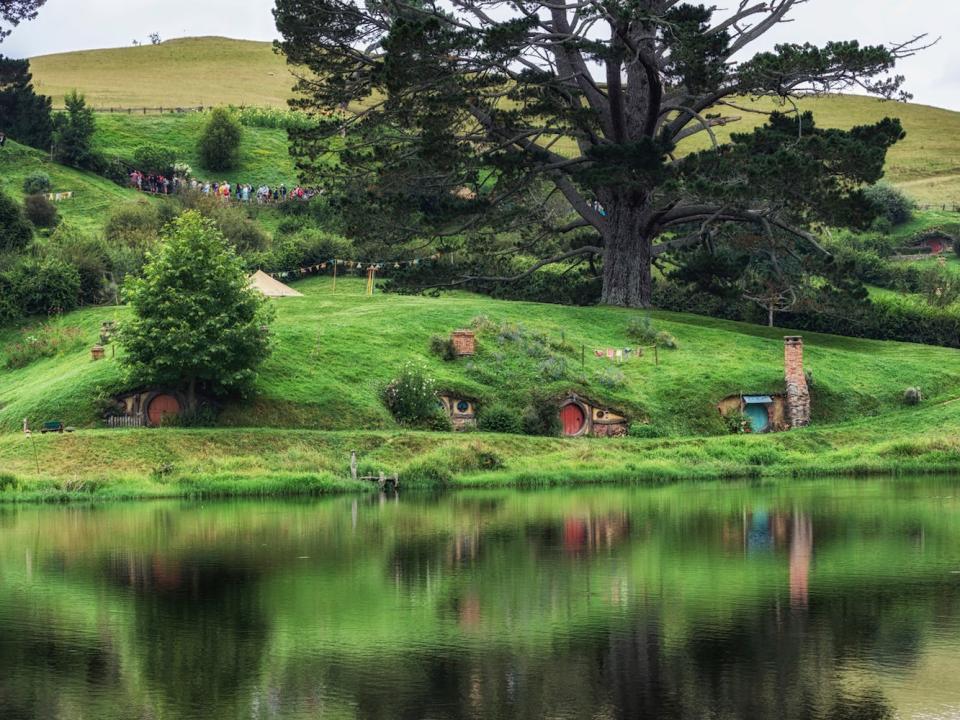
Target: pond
x=826, y=599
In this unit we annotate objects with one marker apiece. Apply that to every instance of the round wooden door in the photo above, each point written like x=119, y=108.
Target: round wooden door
x=160, y=407
x=573, y=418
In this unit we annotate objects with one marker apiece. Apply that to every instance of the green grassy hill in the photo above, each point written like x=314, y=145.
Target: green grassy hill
x=264, y=154
x=188, y=72
x=93, y=196
x=219, y=71
x=336, y=351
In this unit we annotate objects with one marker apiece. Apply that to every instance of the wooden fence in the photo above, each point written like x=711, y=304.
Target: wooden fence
x=944, y=207
x=124, y=421
x=146, y=110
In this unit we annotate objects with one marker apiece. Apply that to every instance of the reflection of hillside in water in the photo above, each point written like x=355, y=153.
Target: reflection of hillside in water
x=616, y=603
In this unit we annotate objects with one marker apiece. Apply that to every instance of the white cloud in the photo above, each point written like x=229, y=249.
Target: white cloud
x=84, y=24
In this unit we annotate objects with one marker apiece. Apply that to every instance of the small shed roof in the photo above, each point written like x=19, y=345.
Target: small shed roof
x=757, y=399
x=271, y=287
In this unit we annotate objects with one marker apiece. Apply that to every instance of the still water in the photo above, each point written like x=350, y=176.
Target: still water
x=806, y=600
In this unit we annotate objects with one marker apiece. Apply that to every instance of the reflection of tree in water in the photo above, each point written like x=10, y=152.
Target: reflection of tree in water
x=200, y=629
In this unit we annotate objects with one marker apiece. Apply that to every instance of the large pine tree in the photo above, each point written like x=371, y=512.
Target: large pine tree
x=588, y=99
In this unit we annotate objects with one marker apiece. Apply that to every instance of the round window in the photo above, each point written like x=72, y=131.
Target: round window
x=463, y=406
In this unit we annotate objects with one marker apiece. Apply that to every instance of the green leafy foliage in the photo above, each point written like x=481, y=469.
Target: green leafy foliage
x=889, y=203
x=498, y=418
x=541, y=417
x=43, y=286
x=73, y=132
x=36, y=183
x=24, y=115
x=220, y=143
x=15, y=230
x=411, y=397
x=154, y=159
x=41, y=211
x=196, y=324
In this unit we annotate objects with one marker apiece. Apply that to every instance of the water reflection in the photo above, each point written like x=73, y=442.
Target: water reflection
x=812, y=600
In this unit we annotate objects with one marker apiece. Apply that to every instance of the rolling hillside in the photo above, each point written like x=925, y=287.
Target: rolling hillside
x=319, y=396
x=220, y=71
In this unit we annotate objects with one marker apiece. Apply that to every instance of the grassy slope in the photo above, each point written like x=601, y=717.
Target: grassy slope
x=93, y=196
x=188, y=72
x=212, y=71
x=336, y=351
x=264, y=157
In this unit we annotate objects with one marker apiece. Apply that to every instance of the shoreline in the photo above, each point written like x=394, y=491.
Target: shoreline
x=111, y=465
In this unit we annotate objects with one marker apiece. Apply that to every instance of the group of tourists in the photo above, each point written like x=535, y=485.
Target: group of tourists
x=239, y=192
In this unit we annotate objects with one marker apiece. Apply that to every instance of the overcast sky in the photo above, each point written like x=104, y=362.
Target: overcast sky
x=933, y=76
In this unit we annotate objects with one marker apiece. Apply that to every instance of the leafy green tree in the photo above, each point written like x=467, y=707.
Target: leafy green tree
x=155, y=159
x=73, y=132
x=219, y=147
x=13, y=12
x=15, y=230
x=197, y=325
x=24, y=115
x=590, y=101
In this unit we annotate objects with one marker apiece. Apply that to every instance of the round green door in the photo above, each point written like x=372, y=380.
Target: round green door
x=759, y=418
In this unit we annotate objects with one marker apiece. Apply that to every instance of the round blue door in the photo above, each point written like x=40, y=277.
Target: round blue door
x=759, y=418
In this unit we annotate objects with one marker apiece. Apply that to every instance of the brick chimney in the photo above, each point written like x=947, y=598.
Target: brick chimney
x=798, y=394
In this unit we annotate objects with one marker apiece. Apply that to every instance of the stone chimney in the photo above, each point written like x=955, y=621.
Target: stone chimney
x=798, y=394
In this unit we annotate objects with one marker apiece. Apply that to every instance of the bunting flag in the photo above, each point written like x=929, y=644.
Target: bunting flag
x=356, y=265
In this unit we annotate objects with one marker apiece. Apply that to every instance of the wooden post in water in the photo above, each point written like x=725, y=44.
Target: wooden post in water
x=353, y=464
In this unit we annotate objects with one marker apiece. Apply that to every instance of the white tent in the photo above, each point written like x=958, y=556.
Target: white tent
x=270, y=287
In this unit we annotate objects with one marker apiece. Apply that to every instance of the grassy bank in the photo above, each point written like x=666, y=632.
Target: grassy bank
x=101, y=464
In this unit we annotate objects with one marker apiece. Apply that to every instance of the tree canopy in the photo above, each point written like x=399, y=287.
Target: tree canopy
x=13, y=12
x=587, y=101
x=73, y=132
x=24, y=115
x=196, y=325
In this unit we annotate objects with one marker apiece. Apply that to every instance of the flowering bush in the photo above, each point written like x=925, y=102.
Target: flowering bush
x=41, y=342
x=412, y=397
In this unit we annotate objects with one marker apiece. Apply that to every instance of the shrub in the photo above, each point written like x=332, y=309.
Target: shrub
x=181, y=169
x=644, y=431
x=666, y=340
x=15, y=230
x=500, y=419
x=641, y=330
x=412, y=396
x=553, y=368
x=737, y=423
x=890, y=203
x=610, y=377
x=42, y=342
x=43, y=287
x=541, y=417
x=154, y=159
x=912, y=396
x=36, y=183
x=219, y=145
x=41, y=211
x=241, y=232
x=442, y=347
x=140, y=218
x=89, y=255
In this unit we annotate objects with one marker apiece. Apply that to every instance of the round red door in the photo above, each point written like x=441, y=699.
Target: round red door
x=573, y=419
x=162, y=406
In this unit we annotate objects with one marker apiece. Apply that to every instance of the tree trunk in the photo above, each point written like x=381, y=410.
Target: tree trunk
x=627, y=257
x=192, y=395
